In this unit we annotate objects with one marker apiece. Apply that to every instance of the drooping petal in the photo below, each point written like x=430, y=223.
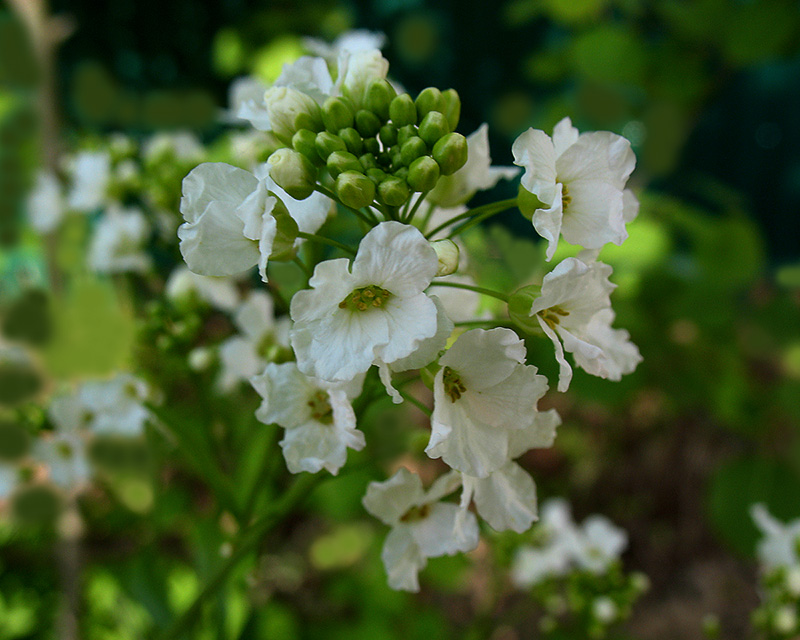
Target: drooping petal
x=391, y=499
x=564, y=370
x=435, y=533
x=540, y=435
x=507, y=498
x=402, y=559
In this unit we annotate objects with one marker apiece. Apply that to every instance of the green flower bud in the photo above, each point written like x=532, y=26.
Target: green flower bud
x=402, y=111
x=528, y=203
x=428, y=100
x=304, y=142
x=396, y=157
x=423, y=174
x=401, y=173
x=404, y=134
x=368, y=161
x=337, y=113
x=519, y=308
x=326, y=143
x=290, y=110
x=283, y=245
x=412, y=149
x=293, y=173
x=269, y=144
x=379, y=96
x=450, y=153
x=384, y=159
x=352, y=140
x=447, y=253
x=371, y=145
x=451, y=108
x=355, y=189
x=393, y=191
x=433, y=127
x=377, y=175
x=367, y=123
x=388, y=135
x=340, y=161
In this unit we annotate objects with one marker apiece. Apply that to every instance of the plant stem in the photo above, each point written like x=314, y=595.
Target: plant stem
x=313, y=237
x=413, y=211
x=415, y=402
x=478, y=214
x=370, y=220
x=469, y=287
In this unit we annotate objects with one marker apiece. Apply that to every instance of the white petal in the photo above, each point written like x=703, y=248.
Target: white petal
x=507, y=499
x=313, y=446
x=540, y=435
x=410, y=321
x=402, y=559
x=309, y=75
x=238, y=362
x=534, y=151
x=485, y=358
x=564, y=370
x=598, y=155
x=434, y=534
x=428, y=349
x=214, y=182
x=564, y=136
x=548, y=222
x=285, y=392
x=391, y=499
x=255, y=317
x=594, y=217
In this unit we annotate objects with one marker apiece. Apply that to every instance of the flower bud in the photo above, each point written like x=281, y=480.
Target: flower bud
x=337, y=113
x=428, y=100
x=367, y=123
x=401, y=173
x=451, y=108
x=200, y=358
x=393, y=191
x=326, y=143
x=402, y=111
x=355, y=189
x=447, y=253
x=362, y=68
x=283, y=245
x=379, y=96
x=368, y=161
x=405, y=133
x=352, y=140
x=293, y=173
x=433, y=127
x=304, y=142
x=377, y=175
x=388, y=134
x=340, y=161
x=412, y=149
x=450, y=152
x=519, y=308
x=423, y=174
x=371, y=145
x=290, y=110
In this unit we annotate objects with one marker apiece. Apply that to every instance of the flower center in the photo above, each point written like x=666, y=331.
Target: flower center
x=552, y=316
x=320, y=408
x=415, y=514
x=566, y=199
x=453, y=386
x=365, y=298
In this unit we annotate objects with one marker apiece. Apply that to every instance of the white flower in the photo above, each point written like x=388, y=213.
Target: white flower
x=45, y=205
x=91, y=171
x=115, y=406
x=580, y=181
x=482, y=394
x=779, y=546
x=243, y=356
x=575, y=306
x=604, y=609
x=476, y=175
x=246, y=102
x=117, y=242
x=182, y=145
x=357, y=70
x=229, y=225
x=422, y=527
x=9, y=476
x=318, y=417
x=220, y=293
x=352, y=41
x=65, y=458
x=376, y=312
x=599, y=544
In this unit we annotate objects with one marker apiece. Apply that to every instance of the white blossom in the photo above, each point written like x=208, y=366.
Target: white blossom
x=117, y=244
x=91, y=171
x=65, y=458
x=579, y=179
x=780, y=544
x=351, y=41
x=422, y=526
x=246, y=102
x=45, y=205
x=220, y=293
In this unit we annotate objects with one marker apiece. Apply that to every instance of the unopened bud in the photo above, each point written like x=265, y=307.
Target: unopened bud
x=293, y=173
x=286, y=233
x=401, y=173
x=388, y=135
x=433, y=127
x=412, y=149
x=367, y=123
x=451, y=107
x=402, y=111
x=423, y=174
x=393, y=191
x=304, y=142
x=326, y=143
x=290, y=110
x=362, y=68
x=341, y=161
x=355, y=189
x=404, y=134
x=377, y=175
x=447, y=253
x=450, y=152
x=371, y=145
x=368, y=161
x=352, y=140
x=379, y=96
x=337, y=113
x=200, y=358
x=428, y=100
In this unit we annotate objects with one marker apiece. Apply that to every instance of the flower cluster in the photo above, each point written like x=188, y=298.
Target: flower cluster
x=348, y=142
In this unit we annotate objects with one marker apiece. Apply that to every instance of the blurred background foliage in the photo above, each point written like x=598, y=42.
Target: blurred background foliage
x=708, y=93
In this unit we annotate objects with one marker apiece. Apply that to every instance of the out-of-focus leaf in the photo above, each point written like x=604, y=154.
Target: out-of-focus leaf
x=610, y=54
x=341, y=548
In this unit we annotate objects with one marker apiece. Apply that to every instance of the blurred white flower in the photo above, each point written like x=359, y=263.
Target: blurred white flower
x=90, y=173
x=352, y=41
x=220, y=293
x=45, y=205
x=780, y=543
x=117, y=242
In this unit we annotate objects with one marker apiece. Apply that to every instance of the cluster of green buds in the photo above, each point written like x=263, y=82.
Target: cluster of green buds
x=381, y=147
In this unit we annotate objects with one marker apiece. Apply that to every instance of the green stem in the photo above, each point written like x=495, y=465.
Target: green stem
x=478, y=214
x=427, y=218
x=415, y=402
x=313, y=237
x=469, y=287
x=248, y=540
x=413, y=211
x=481, y=323
x=306, y=271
